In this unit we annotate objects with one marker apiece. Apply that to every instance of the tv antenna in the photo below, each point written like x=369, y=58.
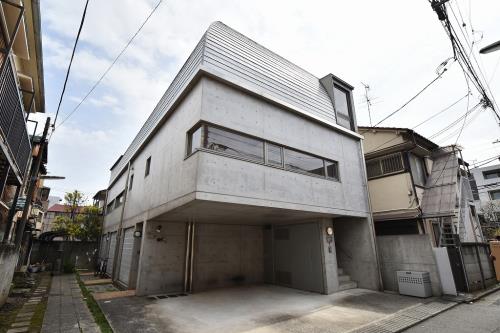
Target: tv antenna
x=368, y=101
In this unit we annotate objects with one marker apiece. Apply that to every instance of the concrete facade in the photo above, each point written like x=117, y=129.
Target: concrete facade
x=8, y=261
x=211, y=219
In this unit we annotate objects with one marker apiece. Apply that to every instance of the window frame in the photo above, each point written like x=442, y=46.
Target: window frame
x=348, y=92
x=131, y=182
x=119, y=199
x=379, y=160
x=491, y=193
x=204, y=125
x=491, y=172
x=110, y=207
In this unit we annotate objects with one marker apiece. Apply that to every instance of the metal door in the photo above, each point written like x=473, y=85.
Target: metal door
x=111, y=253
x=297, y=257
x=126, y=257
x=457, y=268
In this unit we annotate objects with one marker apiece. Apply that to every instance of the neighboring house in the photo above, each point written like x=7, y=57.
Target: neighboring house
x=422, y=203
x=21, y=86
x=22, y=93
x=486, y=190
x=99, y=200
x=249, y=170
x=55, y=211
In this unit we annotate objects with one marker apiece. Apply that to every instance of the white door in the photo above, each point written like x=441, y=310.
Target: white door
x=126, y=258
x=111, y=253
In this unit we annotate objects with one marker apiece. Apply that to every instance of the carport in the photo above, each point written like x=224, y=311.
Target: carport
x=229, y=245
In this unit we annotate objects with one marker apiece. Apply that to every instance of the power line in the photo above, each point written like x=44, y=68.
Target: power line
x=453, y=123
x=112, y=63
x=71, y=61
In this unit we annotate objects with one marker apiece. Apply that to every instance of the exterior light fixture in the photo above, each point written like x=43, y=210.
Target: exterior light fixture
x=158, y=229
x=329, y=231
x=137, y=234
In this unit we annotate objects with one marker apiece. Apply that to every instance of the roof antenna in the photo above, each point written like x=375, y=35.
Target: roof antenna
x=368, y=101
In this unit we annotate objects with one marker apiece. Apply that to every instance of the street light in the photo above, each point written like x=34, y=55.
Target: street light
x=490, y=48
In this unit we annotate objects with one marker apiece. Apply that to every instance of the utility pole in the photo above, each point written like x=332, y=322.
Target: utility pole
x=31, y=186
x=368, y=101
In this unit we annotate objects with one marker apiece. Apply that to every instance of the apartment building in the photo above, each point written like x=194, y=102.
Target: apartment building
x=249, y=170
x=486, y=190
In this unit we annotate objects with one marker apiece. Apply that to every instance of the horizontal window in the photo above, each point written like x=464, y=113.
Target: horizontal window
x=491, y=174
x=119, y=200
x=384, y=165
x=260, y=151
x=110, y=206
x=495, y=195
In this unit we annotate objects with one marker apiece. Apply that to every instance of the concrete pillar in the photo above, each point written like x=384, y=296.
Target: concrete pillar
x=330, y=274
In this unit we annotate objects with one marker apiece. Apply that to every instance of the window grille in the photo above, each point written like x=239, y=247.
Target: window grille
x=384, y=165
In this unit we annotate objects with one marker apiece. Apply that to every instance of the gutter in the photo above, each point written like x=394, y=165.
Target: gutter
x=37, y=29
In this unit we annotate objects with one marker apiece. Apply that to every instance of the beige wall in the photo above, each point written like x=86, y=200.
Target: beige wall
x=379, y=140
x=391, y=193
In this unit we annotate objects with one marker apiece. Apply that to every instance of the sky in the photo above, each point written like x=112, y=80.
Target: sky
x=393, y=46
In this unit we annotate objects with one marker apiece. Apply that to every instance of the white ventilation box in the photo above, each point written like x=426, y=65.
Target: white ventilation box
x=413, y=283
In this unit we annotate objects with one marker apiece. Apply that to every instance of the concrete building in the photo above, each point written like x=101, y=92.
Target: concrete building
x=423, y=210
x=486, y=190
x=248, y=171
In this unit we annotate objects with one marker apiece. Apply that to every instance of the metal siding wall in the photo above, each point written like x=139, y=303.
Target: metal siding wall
x=126, y=258
x=111, y=253
x=239, y=59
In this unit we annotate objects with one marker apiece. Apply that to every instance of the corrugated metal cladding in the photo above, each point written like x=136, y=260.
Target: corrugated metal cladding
x=126, y=258
x=242, y=61
x=111, y=253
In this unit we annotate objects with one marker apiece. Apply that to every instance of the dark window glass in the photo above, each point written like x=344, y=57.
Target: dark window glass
x=131, y=183
x=341, y=99
x=495, y=195
x=332, y=169
x=194, y=141
x=119, y=200
x=417, y=170
x=110, y=207
x=492, y=174
x=274, y=156
x=234, y=144
x=295, y=160
x=384, y=165
x=148, y=166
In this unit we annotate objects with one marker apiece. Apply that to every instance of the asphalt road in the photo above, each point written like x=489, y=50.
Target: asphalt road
x=478, y=317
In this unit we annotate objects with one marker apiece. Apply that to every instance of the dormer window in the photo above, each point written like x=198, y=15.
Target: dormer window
x=342, y=106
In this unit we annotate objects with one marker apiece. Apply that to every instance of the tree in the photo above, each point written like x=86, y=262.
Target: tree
x=81, y=222
x=491, y=219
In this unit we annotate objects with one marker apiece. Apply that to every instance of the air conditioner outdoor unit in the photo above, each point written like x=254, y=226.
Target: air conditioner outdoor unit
x=413, y=283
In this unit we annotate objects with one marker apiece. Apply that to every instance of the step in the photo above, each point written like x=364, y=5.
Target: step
x=347, y=285
x=344, y=278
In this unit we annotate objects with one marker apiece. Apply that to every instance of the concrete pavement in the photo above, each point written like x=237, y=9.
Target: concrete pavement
x=66, y=309
x=481, y=316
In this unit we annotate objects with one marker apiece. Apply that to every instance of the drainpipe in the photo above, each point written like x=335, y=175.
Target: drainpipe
x=370, y=216
x=117, y=254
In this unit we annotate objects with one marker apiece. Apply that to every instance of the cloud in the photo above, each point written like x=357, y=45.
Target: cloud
x=393, y=48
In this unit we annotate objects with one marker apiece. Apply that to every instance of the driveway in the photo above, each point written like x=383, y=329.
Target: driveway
x=256, y=309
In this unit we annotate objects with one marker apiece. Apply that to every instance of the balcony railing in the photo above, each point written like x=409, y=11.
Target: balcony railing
x=12, y=121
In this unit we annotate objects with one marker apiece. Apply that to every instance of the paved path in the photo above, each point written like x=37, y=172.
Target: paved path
x=66, y=309
x=482, y=316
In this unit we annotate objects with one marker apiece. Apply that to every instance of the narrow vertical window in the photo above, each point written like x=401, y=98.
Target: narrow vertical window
x=148, y=166
x=274, y=155
x=332, y=169
x=194, y=140
x=131, y=182
x=342, y=107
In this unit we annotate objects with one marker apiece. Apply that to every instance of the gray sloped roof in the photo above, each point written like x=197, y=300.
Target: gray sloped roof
x=227, y=54
x=440, y=195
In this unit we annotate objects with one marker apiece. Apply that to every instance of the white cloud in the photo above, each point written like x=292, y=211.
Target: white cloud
x=392, y=46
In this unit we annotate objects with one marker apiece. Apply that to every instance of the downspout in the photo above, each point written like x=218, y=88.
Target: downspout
x=117, y=254
x=370, y=216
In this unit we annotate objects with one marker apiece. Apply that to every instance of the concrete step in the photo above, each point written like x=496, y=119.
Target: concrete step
x=340, y=271
x=347, y=285
x=344, y=278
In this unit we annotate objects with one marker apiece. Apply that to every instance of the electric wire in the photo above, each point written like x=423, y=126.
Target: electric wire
x=71, y=62
x=103, y=75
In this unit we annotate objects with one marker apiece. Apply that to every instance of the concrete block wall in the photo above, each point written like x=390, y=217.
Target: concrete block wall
x=356, y=254
x=162, y=261
x=472, y=266
x=228, y=255
x=8, y=261
x=407, y=253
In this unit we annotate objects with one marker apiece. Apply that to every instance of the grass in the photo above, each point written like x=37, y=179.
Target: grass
x=94, y=308
x=39, y=313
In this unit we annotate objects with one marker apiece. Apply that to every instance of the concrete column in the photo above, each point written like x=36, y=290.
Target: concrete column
x=330, y=274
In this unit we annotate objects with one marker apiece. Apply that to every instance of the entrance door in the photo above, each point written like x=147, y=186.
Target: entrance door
x=111, y=253
x=127, y=256
x=297, y=257
x=457, y=268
